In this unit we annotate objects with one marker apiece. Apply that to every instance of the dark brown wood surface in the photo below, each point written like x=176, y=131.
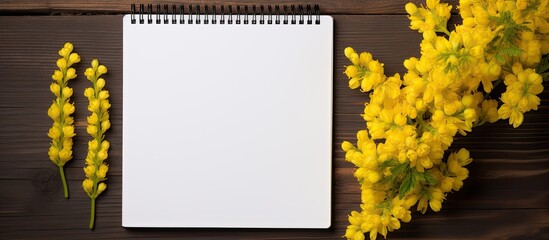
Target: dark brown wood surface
x=506, y=196
x=122, y=6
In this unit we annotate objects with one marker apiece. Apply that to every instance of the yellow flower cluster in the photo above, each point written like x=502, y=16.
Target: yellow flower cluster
x=411, y=121
x=98, y=124
x=62, y=131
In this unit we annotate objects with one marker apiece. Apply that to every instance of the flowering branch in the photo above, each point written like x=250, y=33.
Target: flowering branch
x=98, y=124
x=62, y=131
x=411, y=121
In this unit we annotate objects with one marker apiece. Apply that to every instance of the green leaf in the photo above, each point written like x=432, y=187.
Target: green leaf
x=430, y=179
x=389, y=163
x=543, y=64
x=505, y=43
x=545, y=76
x=407, y=185
x=397, y=170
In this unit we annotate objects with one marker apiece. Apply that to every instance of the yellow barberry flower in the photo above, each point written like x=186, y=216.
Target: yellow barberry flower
x=62, y=131
x=434, y=17
x=98, y=123
x=523, y=86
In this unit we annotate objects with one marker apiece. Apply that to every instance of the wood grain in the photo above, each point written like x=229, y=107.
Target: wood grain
x=123, y=6
x=506, y=196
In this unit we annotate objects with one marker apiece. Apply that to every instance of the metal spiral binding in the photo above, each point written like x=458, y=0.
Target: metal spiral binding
x=293, y=14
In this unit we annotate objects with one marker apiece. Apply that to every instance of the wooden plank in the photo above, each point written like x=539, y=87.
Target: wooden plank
x=505, y=197
x=123, y=6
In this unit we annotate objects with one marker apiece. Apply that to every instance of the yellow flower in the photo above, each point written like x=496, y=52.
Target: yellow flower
x=87, y=184
x=434, y=17
x=523, y=86
x=101, y=187
x=102, y=172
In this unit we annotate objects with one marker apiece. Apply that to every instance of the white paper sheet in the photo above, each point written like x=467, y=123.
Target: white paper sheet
x=227, y=125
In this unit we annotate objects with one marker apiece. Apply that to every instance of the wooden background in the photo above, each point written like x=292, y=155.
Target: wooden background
x=506, y=196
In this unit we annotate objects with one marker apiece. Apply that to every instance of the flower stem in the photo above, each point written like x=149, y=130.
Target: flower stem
x=64, y=181
x=92, y=215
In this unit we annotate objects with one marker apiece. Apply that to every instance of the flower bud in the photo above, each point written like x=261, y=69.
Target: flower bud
x=354, y=83
x=74, y=58
x=67, y=143
x=68, y=108
x=412, y=155
x=68, y=131
x=355, y=59
x=101, y=187
x=68, y=46
x=54, y=111
x=467, y=100
x=410, y=63
x=430, y=35
x=92, y=130
x=102, y=155
x=351, y=71
x=470, y=114
x=95, y=63
x=100, y=83
x=469, y=22
x=61, y=63
x=372, y=176
x=93, y=144
x=348, y=52
x=105, y=145
x=435, y=205
x=55, y=88
x=87, y=184
x=105, y=105
x=65, y=155
x=93, y=119
x=103, y=95
x=54, y=154
x=400, y=119
x=365, y=58
x=89, y=170
x=457, y=184
x=54, y=133
x=347, y=146
x=71, y=74
x=362, y=135
x=375, y=66
x=105, y=125
x=89, y=73
x=63, y=52
x=89, y=93
x=57, y=76
x=426, y=162
x=446, y=184
x=102, y=171
x=105, y=116
x=517, y=68
x=67, y=92
x=410, y=8
x=101, y=69
x=94, y=105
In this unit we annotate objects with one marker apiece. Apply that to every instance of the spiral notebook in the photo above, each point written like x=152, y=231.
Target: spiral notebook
x=227, y=117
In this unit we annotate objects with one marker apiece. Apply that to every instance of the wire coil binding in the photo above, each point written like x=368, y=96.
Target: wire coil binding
x=293, y=14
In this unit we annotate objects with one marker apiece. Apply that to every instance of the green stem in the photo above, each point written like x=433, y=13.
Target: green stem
x=445, y=31
x=92, y=215
x=64, y=181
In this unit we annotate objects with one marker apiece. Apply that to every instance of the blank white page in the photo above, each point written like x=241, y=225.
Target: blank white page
x=227, y=125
